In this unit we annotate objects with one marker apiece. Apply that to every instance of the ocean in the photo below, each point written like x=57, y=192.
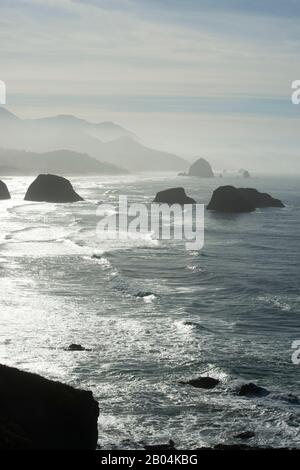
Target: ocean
x=154, y=314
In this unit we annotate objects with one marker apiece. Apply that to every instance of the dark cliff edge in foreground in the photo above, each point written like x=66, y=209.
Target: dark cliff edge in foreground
x=37, y=413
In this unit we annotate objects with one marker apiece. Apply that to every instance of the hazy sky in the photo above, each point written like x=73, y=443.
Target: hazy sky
x=196, y=77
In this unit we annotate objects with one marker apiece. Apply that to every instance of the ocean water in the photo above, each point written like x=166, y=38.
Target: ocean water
x=154, y=314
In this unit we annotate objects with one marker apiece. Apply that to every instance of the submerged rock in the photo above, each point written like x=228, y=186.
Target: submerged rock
x=230, y=199
x=243, y=447
x=237, y=447
x=201, y=169
x=173, y=196
x=155, y=447
x=76, y=347
x=245, y=435
x=37, y=413
x=252, y=390
x=4, y=193
x=290, y=398
x=144, y=294
x=51, y=188
x=202, y=382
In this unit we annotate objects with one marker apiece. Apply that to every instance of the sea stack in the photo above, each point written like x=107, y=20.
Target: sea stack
x=229, y=199
x=36, y=413
x=4, y=193
x=173, y=196
x=51, y=188
x=260, y=199
x=233, y=200
x=244, y=173
x=201, y=169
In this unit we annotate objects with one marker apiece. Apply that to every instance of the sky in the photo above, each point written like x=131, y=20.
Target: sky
x=205, y=78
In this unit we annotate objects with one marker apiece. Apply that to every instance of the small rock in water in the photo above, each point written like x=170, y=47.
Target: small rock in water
x=293, y=399
x=143, y=294
x=169, y=446
x=290, y=398
x=245, y=435
x=202, y=382
x=76, y=347
x=252, y=390
x=173, y=196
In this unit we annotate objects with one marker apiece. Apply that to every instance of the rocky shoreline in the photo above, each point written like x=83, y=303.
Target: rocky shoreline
x=41, y=414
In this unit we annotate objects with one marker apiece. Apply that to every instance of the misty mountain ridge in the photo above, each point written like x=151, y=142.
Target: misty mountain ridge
x=20, y=162
x=104, y=141
x=104, y=131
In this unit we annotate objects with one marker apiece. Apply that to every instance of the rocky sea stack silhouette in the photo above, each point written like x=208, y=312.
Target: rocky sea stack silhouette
x=36, y=413
x=234, y=200
x=173, y=196
x=201, y=169
x=51, y=188
x=4, y=193
x=260, y=199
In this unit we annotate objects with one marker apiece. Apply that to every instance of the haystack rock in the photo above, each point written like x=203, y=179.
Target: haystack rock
x=231, y=199
x=173, y=196
x=36, y=413
x=51, y=188
x=201, y=169
x=4, y=193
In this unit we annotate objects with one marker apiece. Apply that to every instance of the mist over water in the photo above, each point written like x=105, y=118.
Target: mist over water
x=153, y=313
